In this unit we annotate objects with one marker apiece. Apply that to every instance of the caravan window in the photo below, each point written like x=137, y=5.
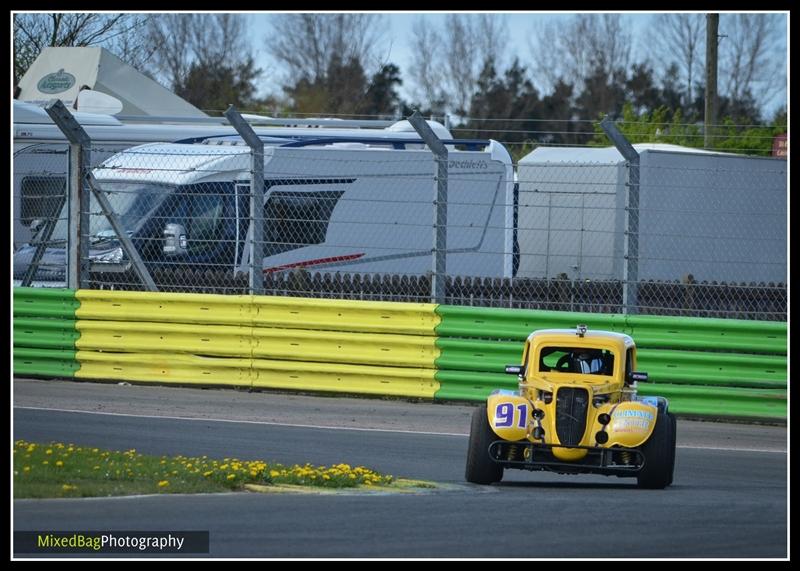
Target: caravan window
x=293, y=219
x=41, y=197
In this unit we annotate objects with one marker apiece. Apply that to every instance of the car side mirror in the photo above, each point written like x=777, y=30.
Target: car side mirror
x=636, y=376
x=515, y=369
x=175, y=241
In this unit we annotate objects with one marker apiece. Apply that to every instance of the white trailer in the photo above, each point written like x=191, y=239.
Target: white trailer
x=716, y=216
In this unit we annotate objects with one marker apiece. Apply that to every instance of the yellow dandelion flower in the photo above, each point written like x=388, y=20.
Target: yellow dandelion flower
x=274, y=473
x=48, y=451
x=68, y=487
x=207, y=474
x=26, y=469
x=163, y=483
x=231, y=476
x=59, y=463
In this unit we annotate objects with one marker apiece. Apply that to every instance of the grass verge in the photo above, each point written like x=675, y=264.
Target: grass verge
x=58, y=470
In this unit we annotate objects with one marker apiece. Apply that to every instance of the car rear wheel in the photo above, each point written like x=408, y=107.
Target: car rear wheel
x=480, y=467
x=672, y=455
x=659, y=455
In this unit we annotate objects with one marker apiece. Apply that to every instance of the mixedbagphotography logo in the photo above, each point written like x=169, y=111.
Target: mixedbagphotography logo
x=111, y=542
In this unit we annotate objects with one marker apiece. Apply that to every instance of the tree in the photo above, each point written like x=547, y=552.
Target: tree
x=749, y=45
x=679, y=40
x=121, y=34
x=382, y=96
x=662, y=125
x=215, y=86
x=445, y=67
x=503, y=107
x=306, y=45
x=328, y=62
x=204, y=58
x=575, y=49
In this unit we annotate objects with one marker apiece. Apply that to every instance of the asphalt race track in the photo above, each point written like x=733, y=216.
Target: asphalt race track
x=728, y=500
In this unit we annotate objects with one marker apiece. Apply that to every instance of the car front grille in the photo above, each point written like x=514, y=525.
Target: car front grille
x=571, y=407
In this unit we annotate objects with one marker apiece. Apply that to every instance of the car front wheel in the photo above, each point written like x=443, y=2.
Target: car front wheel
x=480, y=467
x=659, y=455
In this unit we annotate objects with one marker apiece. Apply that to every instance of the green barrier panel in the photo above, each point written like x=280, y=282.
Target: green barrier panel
x=475, y=355
x=727, y=402
x=658, y=332
x=45, y=333
x=469, y=385
x=684, y=367
x=718, y=369
x=703, y=333
x=684, y=399
x=45, y=302
x=44, y=362
x=516, y=324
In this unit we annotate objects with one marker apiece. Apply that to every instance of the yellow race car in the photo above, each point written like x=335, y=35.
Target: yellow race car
x=576, y=412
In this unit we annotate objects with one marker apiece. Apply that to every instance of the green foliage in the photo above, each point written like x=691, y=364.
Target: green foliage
x=69, y=470
x=345, y=90
x=666, y=126
x=214, y=86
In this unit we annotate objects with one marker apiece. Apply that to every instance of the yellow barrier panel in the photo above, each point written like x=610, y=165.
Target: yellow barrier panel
x=142, y=337
x=164, y=307
x=346, y=315
x=259, y=341
x=352, y=379
x=269, y=343
x=164, y=368
x=356, y=348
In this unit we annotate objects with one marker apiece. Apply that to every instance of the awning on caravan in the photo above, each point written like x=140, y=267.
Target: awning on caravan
x=62, y=72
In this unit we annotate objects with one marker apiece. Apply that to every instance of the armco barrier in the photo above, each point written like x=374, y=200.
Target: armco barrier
x=259, y=342
x=725, y=367
x=705, y=366
x=683, y=367
x=44, y=332
x=55, y=303
x=372, y=348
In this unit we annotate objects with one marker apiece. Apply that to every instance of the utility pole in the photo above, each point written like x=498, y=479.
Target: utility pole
x=712, y=29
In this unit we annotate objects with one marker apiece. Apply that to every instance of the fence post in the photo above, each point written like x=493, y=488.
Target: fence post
x=78, y=223
x=80, y=158
x=630, y=292
x=439, y=260
x=256, y=198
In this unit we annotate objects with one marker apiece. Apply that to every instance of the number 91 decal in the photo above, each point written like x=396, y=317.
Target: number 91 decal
x=508, y=414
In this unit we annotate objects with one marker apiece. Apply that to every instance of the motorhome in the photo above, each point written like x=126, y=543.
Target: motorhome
x=334, y=200
x=40, y=160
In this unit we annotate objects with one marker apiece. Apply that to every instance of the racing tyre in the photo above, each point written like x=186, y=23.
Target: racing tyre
x=672, y=455
x=480, y=468
x=659, y=455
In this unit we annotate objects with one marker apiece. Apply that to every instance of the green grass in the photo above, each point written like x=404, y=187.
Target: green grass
x=58, y=470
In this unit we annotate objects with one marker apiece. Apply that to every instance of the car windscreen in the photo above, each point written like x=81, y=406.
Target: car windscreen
x=560, y=359
x=131, y=202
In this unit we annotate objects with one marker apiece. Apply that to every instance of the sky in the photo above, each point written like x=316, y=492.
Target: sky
x=396, y=43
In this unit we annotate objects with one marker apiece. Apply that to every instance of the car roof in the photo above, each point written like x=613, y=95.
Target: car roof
x=569, y=336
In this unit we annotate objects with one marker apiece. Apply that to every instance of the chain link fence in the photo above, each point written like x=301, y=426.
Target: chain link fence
x=356, y=219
